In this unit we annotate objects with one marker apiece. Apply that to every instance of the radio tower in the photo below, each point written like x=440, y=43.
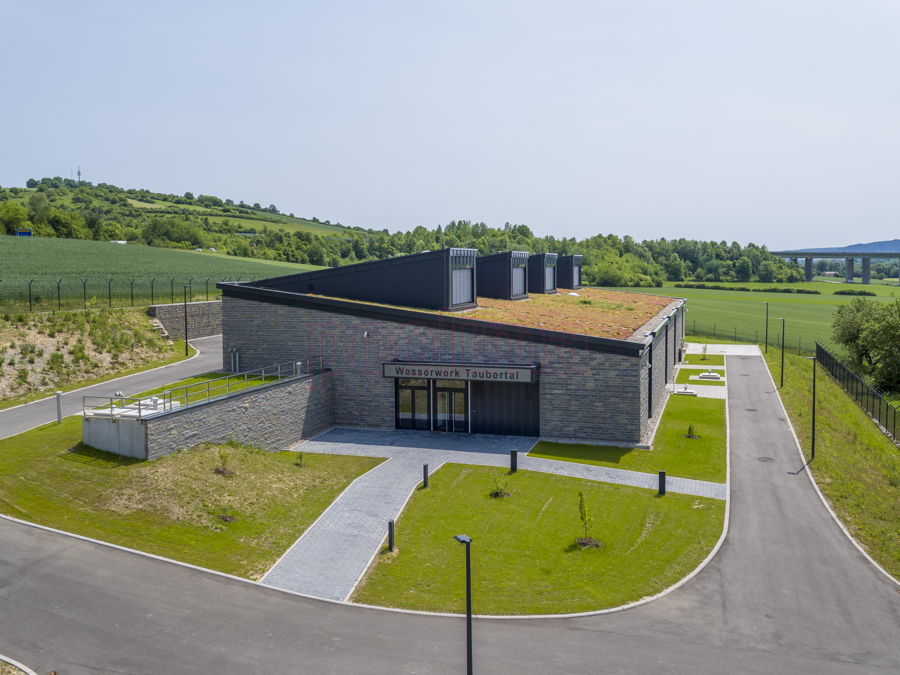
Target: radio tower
x=79, y=174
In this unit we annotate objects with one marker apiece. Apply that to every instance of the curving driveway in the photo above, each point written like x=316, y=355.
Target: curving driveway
x=787, y=593
x=21, y=418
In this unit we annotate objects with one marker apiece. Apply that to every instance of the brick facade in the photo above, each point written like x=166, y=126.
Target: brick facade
x=585, y=395
x=204, y=318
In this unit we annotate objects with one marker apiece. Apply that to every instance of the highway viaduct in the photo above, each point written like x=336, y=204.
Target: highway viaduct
x=849, y=257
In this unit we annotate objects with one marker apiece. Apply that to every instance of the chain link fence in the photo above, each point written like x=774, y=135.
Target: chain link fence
x=44, y=294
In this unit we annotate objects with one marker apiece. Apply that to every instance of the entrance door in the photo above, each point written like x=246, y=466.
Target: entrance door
x=450, y=406
x=412, y=404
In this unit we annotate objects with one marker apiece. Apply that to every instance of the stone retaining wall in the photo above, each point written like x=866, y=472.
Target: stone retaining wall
x=204, y=318
x=273, y=417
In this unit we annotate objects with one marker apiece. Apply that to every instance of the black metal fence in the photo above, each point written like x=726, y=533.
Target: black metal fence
x=802, y=344
x=43, y=294
x=866, y=396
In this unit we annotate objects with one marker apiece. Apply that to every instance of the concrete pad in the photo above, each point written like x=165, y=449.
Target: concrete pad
x=727, y=350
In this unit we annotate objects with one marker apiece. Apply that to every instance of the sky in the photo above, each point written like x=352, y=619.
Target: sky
x=776, y=121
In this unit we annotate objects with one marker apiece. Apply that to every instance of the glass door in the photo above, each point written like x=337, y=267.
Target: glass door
x=450, y=406
x=412, y=404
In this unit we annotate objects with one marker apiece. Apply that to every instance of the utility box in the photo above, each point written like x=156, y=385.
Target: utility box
x=503, y=275
x=542, y=273
x=568, y=271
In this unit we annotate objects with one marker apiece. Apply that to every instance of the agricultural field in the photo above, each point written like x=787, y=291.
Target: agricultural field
x=46, y=260
x=741, y=315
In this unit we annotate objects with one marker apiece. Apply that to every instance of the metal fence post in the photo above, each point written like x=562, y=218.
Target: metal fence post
x=58, y=295
x=84, y=292
x=30, y=300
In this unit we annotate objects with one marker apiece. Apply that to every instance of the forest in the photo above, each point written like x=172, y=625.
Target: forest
x=65, y=208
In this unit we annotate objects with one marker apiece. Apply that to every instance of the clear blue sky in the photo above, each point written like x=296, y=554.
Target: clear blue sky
x=770, y=121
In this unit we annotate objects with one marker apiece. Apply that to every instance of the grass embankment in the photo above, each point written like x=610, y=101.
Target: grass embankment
x=808, y=316
x=702, y=458
x=43, y=353
x=172, y=506
x=7, y=669
x=524, y=556
x=856, y=466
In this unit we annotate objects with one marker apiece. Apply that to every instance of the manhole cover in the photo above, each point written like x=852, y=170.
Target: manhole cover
x=745, y=374
x=751, y=409
x=766, y=459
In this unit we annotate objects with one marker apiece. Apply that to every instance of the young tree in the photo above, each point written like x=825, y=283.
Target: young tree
x=847, y=329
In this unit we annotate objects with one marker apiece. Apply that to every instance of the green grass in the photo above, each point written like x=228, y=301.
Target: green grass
x=524, y=556
x=684, y=377
x=195, y=389
x=700, y=360
x=701, y=458
x=856, y=466
x=808, y=317
x=47, y=259
x=172, y=506
x=176, y=354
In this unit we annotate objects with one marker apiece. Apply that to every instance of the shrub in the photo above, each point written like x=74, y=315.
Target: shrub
x=854, y=291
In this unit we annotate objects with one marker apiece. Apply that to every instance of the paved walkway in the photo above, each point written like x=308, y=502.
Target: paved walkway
x=331, y=556
x=787, y=593
x=21, y=418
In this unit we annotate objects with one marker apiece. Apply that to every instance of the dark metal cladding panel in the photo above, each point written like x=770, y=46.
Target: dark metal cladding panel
x=568, y=270
x=495, y=275
x=417, y=280
x=537, y=276
x=503, y=408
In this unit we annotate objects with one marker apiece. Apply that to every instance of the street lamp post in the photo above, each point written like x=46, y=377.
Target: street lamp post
x=767, y=328
x=467, y=540
x=813, y=430
x=782, y=350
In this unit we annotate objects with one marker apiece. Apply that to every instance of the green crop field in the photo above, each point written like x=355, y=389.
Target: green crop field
x=46, y=260
x=741, y=315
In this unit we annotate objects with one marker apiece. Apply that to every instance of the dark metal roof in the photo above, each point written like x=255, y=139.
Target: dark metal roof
x=432, y=320
x=418, y=280
x=495, y=275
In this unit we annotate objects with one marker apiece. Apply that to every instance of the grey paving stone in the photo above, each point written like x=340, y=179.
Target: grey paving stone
x=331, y=556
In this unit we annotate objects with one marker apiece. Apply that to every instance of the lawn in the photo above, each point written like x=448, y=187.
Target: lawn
x=740, y=314
x=856, y=466
x=524, y=556
x=172, y=506
x=703, y=458
x=704, y=360
x=685, y=374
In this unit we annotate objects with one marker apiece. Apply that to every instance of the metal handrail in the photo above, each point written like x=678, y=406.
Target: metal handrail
x=178, y=398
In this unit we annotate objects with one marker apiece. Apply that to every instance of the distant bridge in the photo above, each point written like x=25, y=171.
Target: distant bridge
x=848, y=256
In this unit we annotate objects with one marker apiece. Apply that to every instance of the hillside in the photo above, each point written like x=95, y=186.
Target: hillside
x=66, y=209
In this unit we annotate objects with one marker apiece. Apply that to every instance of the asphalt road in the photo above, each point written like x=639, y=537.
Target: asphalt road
x=787, y=593
x=16, y=420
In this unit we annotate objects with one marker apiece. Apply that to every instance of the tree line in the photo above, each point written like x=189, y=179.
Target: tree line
x=57, y=207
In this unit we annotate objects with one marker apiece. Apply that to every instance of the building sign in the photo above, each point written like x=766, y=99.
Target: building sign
x=477, y=373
